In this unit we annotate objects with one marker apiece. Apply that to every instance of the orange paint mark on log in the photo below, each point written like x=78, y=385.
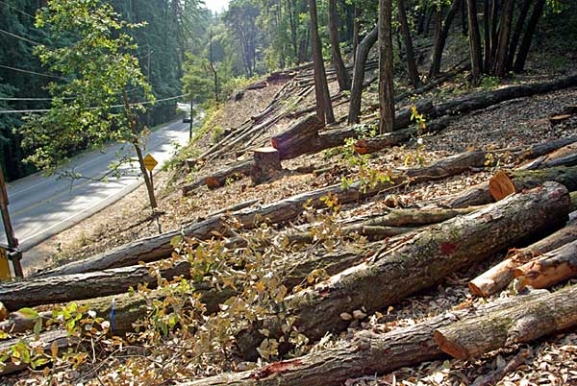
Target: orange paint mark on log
x=275, y=368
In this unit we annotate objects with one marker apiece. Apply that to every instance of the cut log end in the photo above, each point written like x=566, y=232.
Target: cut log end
x=557, y=119
x=451, y=348
x=501, y=186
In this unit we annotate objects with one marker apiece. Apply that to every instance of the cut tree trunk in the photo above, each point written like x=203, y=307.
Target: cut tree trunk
x=219, y=179
x=301, y=138
x=266, y=164
x=551, y=268
x=419, y=262
x=523, y=322
x=565, y=156
x=499, y=276
x=523, y=179
x=368, y=352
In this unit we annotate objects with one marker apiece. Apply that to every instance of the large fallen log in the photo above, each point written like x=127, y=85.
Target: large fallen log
x=300, y=138
x=524, y=322
x=371, y=352
x=551, y=268
x=422, y=260
x=523, y=179
x=499, y=276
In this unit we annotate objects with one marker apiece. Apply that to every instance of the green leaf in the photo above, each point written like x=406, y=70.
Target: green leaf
x=29, y=313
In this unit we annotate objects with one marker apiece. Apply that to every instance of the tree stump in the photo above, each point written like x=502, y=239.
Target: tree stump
x=266, y=164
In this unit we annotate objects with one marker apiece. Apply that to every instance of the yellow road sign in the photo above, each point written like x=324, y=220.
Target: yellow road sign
x=4, y=266
x=150, y=163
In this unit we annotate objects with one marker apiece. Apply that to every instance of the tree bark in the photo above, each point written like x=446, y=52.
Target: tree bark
x=528, y=36
x=504, y=34
x=474, y=41
x=521, y=323
x=516, y=36
x=551, y=268
x=442, y=39
x=386, y=91
x=266, y=164
x=300, y=138
x=499, y=276
x=323, y=98
x=359, y=74
x=342, y=74
x=408, y=41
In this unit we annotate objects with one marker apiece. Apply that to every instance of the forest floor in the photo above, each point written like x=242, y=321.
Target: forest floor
x=516, y=123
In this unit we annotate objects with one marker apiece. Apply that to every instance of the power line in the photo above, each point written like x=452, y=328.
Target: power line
x=31, y=72
x=18, y=10
x=114, y=106
x=20, y=37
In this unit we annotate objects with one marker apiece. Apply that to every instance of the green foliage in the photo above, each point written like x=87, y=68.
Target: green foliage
x=98, y=68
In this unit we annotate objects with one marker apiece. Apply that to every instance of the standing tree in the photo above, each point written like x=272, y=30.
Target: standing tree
x=324, y=104
x=91, y=106
x=342, y=73
x=386, y=92
x=241, y=19
x=408, y=40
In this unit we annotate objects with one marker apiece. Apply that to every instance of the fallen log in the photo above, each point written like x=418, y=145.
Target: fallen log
x=219, y=179
x=565, y=156
x=550, y=268
x=65, y=288
x=485, y=99
x=521, y=323
x=499, y=276
x=300, y=138
x=523, y=179
x=368, y=352
x=419, y=262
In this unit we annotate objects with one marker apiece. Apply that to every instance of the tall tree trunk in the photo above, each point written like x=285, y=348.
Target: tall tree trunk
x=487, y=32
x=526, y=42
x=441, y=39
x=494, y=28
x=411, y=64
x=359, y=74
x=342, y=74
x=504, y=33
x=523, y=12
x=386, y=92
x=323, y=98
x=356, y=28
x=474, y=41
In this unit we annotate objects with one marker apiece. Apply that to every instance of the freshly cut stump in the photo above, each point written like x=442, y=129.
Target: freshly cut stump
x=266, y=164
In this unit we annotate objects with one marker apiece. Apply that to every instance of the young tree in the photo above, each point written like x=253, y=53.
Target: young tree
x=386, y=92
x=408, y=41
x=324, y=104
x=92, y=105
x=342, y=73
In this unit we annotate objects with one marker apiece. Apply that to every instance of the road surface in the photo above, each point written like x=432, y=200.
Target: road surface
x=41, y=207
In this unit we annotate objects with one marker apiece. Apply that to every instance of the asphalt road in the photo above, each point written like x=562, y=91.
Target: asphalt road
x=41, y=206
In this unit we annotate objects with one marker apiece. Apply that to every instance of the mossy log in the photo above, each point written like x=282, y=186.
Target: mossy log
x=523, y=322
x=422, y=260
x=550, y=268
x=500, y=275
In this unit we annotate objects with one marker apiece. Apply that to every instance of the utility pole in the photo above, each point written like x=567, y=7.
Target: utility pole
x=14, y=252
x=191, y=118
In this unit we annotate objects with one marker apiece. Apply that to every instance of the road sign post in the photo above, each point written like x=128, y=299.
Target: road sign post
x=150, y=163
x=16, y=254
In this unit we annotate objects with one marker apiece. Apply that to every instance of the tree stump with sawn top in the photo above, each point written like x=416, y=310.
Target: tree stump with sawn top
x=266, y=164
